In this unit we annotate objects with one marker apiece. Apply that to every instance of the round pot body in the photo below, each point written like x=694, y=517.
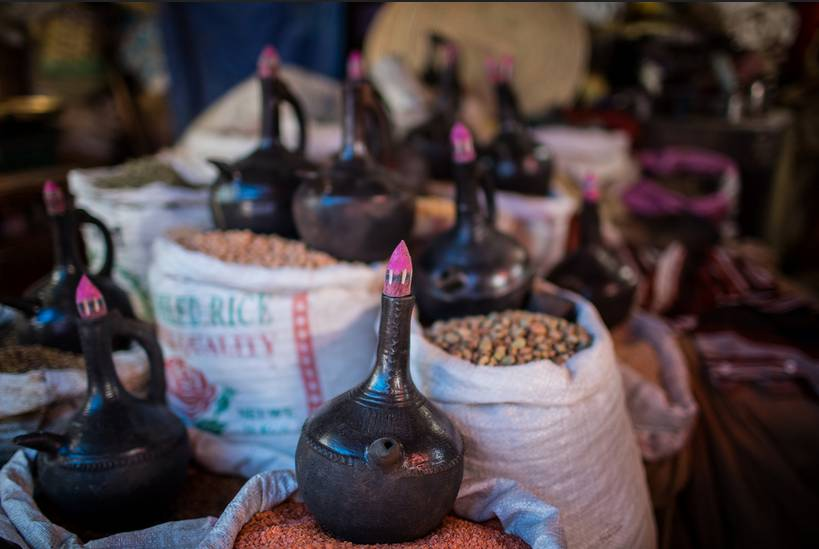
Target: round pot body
x=54, y=324
x=129, y=490
x=353, y=214
x=257, y=193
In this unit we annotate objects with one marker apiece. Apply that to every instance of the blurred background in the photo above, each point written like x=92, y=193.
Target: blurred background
x=698, y=123
x=97, y=84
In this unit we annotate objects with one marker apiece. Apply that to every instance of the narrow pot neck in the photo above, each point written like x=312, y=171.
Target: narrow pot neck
x=96, y=340
x=508, y=113
x=64, y=238
x=390, y=381
x=449, y=99
x=270, y=113
x=469, y=214
x=353, y=144
x=590, y=224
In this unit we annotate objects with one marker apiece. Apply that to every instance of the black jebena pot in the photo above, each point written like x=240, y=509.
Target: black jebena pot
x=121, y=459
x=256, y=193
x=518, y=163
x=430, y=140
x=594, y=271
x=48, y=313
x=472, y=268
x=356, y=209
x=380, y=463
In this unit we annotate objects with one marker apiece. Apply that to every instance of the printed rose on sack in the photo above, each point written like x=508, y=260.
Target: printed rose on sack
x=189, y=389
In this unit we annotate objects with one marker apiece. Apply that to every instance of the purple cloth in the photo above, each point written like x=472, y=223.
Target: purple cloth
x=651, y=199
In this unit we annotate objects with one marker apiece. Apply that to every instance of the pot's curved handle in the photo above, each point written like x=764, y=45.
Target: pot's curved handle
x=145, y=338
x=83, y=218
x=286, y=96
x=42, y=441
x=372, y=103
x=222, y=167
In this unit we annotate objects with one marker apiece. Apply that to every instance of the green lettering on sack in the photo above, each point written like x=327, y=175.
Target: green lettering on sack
x=242, y=319
x=216, y=311
x=265, y=318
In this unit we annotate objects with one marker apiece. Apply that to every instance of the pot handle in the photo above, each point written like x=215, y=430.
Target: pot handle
x=83, y=218
x=145, y=338
x=287, y=97
x=372, y=103
x=42, y=441
x=222, y=167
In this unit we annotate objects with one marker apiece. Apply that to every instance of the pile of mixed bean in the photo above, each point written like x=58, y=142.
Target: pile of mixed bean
x=509, y=338
x=253, y=249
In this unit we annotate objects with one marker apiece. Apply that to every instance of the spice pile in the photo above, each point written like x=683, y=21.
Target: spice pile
x=291, y=525
x=17, y=359
x=253, y=249
x=139, y=172
x=509, y=338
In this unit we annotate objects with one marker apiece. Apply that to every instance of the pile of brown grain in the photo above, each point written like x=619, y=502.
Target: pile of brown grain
x=17, y=359
x=509, y=338
x=291, y=525
x=250, y=248
x=139, y=172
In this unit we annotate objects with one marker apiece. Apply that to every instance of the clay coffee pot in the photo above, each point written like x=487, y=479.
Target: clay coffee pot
x=122, y=458
x=593, y=270
x=377, y=126
x=380, y=463
x=472, y=268
x=256, y=193
x=356, y=209
x=49, y=316
x=430, y=140
x=431, y=75
x=518, y=163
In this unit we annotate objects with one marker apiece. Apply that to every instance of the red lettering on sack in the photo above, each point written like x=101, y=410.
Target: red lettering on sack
x=236, y=346
x=304, y=351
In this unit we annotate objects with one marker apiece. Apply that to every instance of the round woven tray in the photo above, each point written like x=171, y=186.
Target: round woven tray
x=549, y=42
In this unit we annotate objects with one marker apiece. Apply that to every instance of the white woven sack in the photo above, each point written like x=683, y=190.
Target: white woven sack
x=26, y=392
x=562, y=432
x=22, y=522
x=251, y=351
x=540, y=223
x=137, y=216
x=663, y=416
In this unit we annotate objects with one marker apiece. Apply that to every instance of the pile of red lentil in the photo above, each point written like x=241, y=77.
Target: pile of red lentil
x=291, y=525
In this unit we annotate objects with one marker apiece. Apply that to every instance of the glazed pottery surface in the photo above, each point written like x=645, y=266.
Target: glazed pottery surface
x=48, y=313
x=518, y=164
x=121, y=459
x=472, y=268
x=431, y=138
x=595, y=272
x=380, y=463
x=356, y=210
x=256, y=193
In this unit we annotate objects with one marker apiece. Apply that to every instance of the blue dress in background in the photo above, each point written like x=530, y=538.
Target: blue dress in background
x=212, y=46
